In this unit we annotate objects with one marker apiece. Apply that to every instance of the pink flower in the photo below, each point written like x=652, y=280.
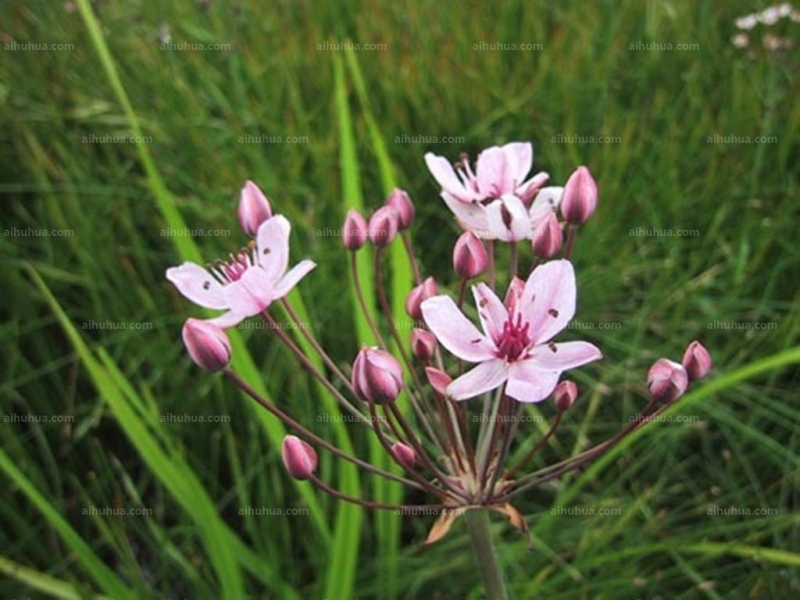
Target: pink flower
x=696, y=361
x=667, y=380
x=580, y=197
x=515, y=346
x=495, y=202
x=254, y=208
x=207, y=344
x=377, y=376
x=249, y=282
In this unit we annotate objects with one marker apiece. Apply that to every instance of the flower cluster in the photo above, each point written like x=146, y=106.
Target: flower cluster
x=413, y=392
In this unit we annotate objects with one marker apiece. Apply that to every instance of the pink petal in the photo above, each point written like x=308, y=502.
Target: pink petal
x=251, y=294
x=528, y=383
x=520, y=160
x=445, y=176
x=548, y=302
x=291, y=279
x=492, y=173
x=492, y=312
x=513, y=296
x=509, y=220
x=455, y=331
x=198, y=285
x=483, y=378
x=547, y=201
x=227, y=319
x=567, y=355
x=272, y=243
x=471, y=217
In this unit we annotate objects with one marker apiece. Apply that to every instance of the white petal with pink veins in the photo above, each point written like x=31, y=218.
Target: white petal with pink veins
x=292, y=278
x=445, y=176
x=483, y=378
x=272, y=247
x=455, y=331
x=492, y=173
x=471, y=216
x=520, y=159
x=492, y=312
x=567, y=355
x=251, y=294
x=547, y=200
x=198, y=285
x=528, y=383
x=509, y=220
x=548, y=302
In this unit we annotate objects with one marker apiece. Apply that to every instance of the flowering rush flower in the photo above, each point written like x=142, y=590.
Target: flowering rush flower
x=249, y=282
x=495, y=202
x=515, y=347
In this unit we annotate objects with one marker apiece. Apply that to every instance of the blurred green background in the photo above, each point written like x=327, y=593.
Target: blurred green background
x=91, y=328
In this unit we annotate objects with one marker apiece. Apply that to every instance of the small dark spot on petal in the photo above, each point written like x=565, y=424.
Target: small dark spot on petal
x=206, y=285
x=553, y=347
x=475, y=341
x=552, y=312
x=483, y=302
x=266, y=251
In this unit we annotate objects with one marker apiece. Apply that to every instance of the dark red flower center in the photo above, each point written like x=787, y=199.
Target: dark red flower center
x=514, y=340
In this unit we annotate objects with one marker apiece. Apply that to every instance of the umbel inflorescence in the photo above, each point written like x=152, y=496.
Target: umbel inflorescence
x=487, y=356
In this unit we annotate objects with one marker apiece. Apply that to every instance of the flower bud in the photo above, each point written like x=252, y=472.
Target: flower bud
x=469, y=256
x=254, y=208
x=565, y=395
x=580, y=197
x=696, y=361
x=354, y=234
x=418, y=295
x=401, y=203
x=547, y=237
x=299, y=458
x=667, y=380
x=404, y=454
x=383, y=226
x=207, y=344
x=423, y=343
x=377, y=376
x=438, y=379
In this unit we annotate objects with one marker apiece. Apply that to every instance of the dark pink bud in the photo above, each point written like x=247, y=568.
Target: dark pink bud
x=696, y=361
x=254, y=208
x=355, y=230
x=383, y=226
x=438, y=379
x=207, y=344
x=403, y=206
x=469, y=256
x=418, y=295
x=565, y=394
x=299, y=458
x=547, y=237
x=404, y=454
x=580, y=197
x=667, y=380
x=377, y=376
x=423, y=343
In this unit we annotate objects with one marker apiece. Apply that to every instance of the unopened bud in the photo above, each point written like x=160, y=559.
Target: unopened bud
x=355, y=232
x=377, y=376
x=254, y=208
x=208, y=344
x=403, y=206
x=469, y=256
x=383, y=226
x=418, y=295
x=667, y=380
x=565, y=395
x=696, y=361
x=547, y=237
x=580, y=197
x=299, y=458
x=423, y=344
x=404, y=454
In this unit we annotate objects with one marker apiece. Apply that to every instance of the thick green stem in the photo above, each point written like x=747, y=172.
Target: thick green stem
x=483, y=546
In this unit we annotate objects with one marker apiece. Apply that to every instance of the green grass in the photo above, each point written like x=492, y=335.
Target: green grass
x=193, y=478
